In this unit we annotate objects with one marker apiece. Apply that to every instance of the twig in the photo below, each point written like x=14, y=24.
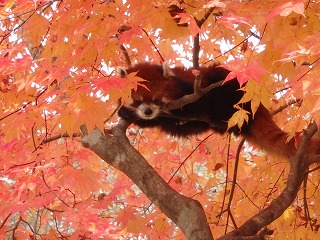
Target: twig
x=28, y=103
x=196, y=51
x=125, y=54
x=5, y=220
x=56, y=137
x=196, y=39
x=234, y=180
x=154, y=45
x=297, y=101
x=305, y=203
x=226, y=182
x=183, y=162
x=190, y=98
x=273, y=187
x=64, y=202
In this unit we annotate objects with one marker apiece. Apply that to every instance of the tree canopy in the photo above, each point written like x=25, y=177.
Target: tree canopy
x=68, y=170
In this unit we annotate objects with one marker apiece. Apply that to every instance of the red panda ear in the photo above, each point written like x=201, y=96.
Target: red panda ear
x=167, y=72
x=121, y=72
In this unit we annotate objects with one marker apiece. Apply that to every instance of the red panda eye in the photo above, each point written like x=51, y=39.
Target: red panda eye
x=157, y=102
x=138, y=102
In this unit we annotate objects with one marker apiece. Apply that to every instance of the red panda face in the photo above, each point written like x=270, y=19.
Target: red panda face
x=145, y=105
x=147, y=102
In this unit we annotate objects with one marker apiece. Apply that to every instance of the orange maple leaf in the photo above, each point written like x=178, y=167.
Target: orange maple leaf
x=192, y=24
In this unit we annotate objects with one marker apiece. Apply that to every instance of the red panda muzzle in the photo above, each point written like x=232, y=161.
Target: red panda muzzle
x=147, y=111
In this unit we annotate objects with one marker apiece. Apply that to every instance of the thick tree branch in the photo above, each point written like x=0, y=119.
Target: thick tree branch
x=298, y=168
x=117, y=151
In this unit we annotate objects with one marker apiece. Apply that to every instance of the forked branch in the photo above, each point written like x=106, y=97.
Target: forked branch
x=117, y=151
x=191, y=98
x=298, y=168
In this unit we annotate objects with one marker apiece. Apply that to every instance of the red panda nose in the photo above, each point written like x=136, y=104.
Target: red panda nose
x=148, y=112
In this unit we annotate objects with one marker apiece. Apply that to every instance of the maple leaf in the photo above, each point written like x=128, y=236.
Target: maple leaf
x=126, y=215
x=67, y=120
x=238, y=118
x=192, y=24
x=73, y=40
x=243, y=72
x=215, y=3
x=313, y=43
x=231, y=20
x=287, y=8
x=135, y=80
x=295, y=54
x=161, y=223
x=137, y=225
x=128, y=34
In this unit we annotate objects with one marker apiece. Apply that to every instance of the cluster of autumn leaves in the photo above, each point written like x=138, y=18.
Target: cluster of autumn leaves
x=57, y=72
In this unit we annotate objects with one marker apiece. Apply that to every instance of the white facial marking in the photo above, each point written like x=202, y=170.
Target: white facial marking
x=130, y=101
x=129, y=106
x=165, y=100
x=148, y=111
x=121, y=72
x=167, y=72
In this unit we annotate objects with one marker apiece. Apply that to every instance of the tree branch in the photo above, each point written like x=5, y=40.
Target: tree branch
x=297, y=101
x=196, y=51
x=125, y=54
x=196, y=39
x=117, y=151
x=190, y=98
x=56, y=137
x=298, y=168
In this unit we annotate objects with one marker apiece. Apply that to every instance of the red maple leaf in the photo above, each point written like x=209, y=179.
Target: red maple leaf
x=238, y=69
x=287, y=8
x=127, y=35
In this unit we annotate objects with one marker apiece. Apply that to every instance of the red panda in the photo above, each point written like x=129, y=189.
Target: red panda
x=210, y=112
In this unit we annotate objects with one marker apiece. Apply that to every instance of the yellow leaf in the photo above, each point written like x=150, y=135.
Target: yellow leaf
x=289, y=214
x=238, y=118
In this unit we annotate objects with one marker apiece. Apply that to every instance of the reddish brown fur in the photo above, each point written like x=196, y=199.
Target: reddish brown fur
x=264, y=133
x=158, y=88
x=211, y=111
